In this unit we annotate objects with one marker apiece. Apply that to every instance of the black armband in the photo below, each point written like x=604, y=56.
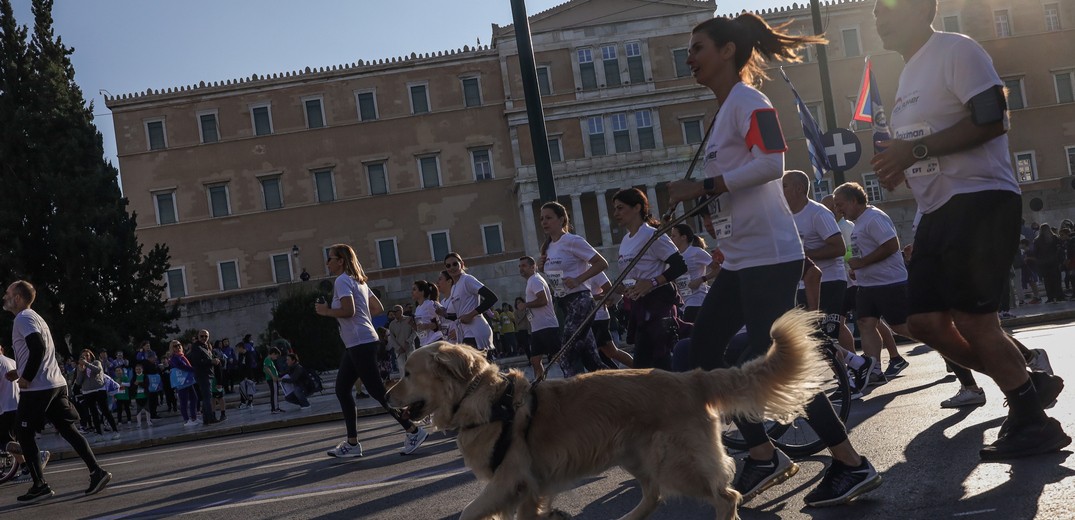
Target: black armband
x=35, y=345
x=487, y=299
x=676, y=267
x=709, y=185
x=989, y=106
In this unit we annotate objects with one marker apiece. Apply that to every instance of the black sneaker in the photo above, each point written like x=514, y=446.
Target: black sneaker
x=861, y=376
x=1048, y=388
x=757, y=476
x=877, y=378
x=1026, y=439
x=98, y=480
x=895, y=366
x=842, y=483
x=36, y=493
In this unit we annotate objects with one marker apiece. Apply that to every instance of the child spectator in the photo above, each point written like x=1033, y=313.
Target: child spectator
x=140, y=390
x=123, y=397
x=272, y=377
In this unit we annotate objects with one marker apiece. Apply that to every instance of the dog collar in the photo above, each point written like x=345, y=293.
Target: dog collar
x=503, y=411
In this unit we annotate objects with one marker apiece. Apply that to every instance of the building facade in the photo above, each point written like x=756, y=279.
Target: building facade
x=249, y=180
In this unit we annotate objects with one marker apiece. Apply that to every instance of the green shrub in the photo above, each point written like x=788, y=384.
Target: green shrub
x=316, y=339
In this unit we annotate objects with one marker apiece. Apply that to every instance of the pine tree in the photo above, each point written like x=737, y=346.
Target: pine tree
x=64, y=225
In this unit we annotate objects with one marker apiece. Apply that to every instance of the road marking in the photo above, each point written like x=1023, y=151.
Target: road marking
x=81, y=468
x=969, y=513
x=146, y=482
x=291, y=462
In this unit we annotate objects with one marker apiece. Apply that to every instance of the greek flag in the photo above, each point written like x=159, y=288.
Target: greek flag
x=869, y=109
x=811, y=132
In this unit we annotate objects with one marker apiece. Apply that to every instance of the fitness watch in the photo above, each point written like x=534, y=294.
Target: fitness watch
x=920, y=150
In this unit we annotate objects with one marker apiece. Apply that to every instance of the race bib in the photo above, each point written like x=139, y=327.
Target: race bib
x=723, y=227
x=683, y=286
x=927, y=166
x=556, y=283
x=855, y=252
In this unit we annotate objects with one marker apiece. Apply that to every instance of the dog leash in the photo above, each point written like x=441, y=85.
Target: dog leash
x=670, y=222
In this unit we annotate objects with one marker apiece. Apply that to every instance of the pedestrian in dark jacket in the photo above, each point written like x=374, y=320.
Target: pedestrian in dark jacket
x=201, y=358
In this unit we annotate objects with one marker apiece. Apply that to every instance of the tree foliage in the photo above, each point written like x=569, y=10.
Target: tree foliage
x=64, y=224
x=315, y=338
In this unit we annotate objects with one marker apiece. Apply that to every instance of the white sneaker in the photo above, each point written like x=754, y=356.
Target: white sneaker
x=345, y=450
x=1040, y=361
x=115, y=436
x=413, y=441
x=965, y=397
x=45, y=456
x=190, y=423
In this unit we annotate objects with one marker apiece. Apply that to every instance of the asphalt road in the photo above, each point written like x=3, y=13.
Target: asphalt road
x=928, y=457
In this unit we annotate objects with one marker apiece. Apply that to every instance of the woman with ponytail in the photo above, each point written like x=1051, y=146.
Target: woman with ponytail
x=757, y=234
x=568, y=261
x=701, y=268
x=425, y=295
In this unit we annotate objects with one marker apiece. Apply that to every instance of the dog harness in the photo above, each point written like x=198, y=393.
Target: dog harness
x=503, y=411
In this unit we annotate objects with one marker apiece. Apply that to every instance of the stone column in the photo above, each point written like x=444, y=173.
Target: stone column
x=577, y=220
x=602, y=213
x=527, y=221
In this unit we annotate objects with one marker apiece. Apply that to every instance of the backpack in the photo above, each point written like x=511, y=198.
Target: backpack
x=313, y=382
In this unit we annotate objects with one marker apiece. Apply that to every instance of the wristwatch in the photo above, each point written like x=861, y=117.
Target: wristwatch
x=653, y=282
x=919, y=150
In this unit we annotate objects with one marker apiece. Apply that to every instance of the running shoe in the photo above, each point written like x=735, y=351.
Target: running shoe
x=1048, y=387
x=345, y=450
x=861, y=375
x=1039, y=361
x=44, y=456
x=757, y=476
x=842, y=483
x=413, y=441
x=98, y=480
x=1026, y=439
x=965, y=397
x=877, y=377
x=895, y=366
x=36, y=493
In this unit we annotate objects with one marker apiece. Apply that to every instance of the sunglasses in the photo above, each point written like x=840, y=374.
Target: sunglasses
x=451, y=265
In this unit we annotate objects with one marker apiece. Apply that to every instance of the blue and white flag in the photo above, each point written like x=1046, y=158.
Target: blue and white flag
x=869, y=109
x=812, y=133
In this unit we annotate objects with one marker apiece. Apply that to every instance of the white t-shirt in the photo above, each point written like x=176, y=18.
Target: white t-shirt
x=567, y=257
x=466, y=299
x=652, y=262
x=358, y=329
x=425, y=314
x=873, y=228
x=935, y=86
x=543, y=317
x=48, y=376
x=754, y=223
x=816, y=224
x=9, y=390
x=846, y=228
x=698, y=261
x=595, y=284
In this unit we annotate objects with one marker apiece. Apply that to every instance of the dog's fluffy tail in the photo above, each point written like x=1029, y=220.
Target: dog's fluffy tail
x=779, y=384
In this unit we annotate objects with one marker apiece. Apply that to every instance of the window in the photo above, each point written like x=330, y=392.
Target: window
x=806, y=53
x=387, y=253
x=621, y=136
x=175, y=283
x=281, y=268
x=1052, y=17
x=1002, y=22
x=596, y=130
x=419, y=99
x=207, y=127
x=951, y=23
x=429, y=169
x=165, y=205
x=324, y=185
x=378, y=177
x=556, y=152
x=219, y=205
x=229, y=275
x=644, y=127
x=635, y=69
x=1026, y=169
x=493, y=239
x=1016, y=99
x=544, y=85
x=612, y=66
x=483, y=167
x=272, y=194
x=315, y=113
x=261, y=117
x=472, y=94
x=1070, y=152
x=872, y=187
x=692, y=131
x=367, y=105
x=679, y=56
x=155, y=134
x=586, y=70
x=439, y=245
x=852, y=47
x=1063, y=83
x=821, y=189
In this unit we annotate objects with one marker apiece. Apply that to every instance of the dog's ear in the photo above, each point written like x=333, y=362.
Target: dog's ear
x=460, y=362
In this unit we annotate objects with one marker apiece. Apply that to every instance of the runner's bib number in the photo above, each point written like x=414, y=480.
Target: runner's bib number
x=925, y=167
x=683, y=286
x=556, y=283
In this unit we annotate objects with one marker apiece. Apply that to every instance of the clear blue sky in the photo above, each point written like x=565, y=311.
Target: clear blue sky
x=125, y=46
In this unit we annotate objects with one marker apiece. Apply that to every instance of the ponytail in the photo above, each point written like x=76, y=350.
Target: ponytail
x=755, y=41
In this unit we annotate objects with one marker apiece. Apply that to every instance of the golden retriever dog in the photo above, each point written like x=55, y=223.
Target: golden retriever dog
x=530, y=442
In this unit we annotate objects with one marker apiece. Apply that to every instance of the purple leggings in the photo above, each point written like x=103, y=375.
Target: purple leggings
x=188, y=403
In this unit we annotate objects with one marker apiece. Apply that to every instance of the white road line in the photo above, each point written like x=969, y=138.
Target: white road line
x=83, y=468
x=146, y=483
x=969, y=513
x=348, y=489
x=291, y=462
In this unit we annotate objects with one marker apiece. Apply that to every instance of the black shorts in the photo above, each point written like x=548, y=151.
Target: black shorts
x=832, y=297
x=601, y=333
x=883, y=301
x=544, y=342
x=38, y=406
x=850, y=300
x=963, y=252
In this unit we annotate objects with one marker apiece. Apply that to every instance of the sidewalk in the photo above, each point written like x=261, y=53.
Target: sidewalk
x=325, y=408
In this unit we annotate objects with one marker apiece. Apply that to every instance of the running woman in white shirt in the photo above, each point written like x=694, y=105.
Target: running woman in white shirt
x=756, y=232
x=544, y=326
x=652, y=298
x=701, y=268
x=354, y=305
x=42, y=393
x=426, y=321
x=950, y=121
x=568, y=261
x=470, y=299
x=602, y=324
